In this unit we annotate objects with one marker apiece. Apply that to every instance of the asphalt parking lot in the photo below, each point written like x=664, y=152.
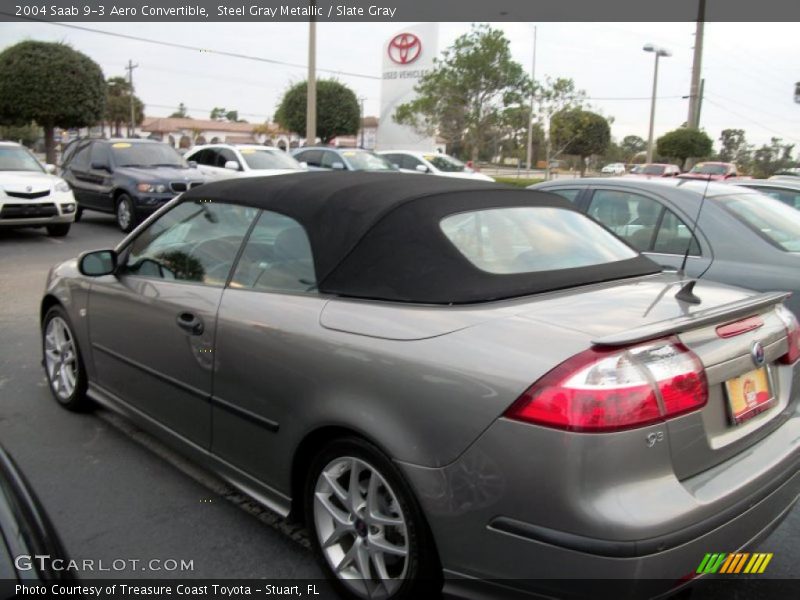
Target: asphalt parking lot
x=113, y=493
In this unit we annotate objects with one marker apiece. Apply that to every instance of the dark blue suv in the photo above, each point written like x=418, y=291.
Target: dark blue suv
x=129, y=178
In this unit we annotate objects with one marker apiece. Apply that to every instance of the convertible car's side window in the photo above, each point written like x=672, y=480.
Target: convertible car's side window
x=276, y=258
x=195, y=241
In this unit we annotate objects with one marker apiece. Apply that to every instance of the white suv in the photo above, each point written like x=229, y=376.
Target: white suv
x=222, y=161
x=30, y=196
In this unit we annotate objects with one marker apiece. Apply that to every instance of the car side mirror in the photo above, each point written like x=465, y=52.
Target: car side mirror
x=99, y=166
x=422, y=168
x=338, y=166
x=192, y=164
x=97, y=263
x=303, y=164
x=232, y=165
x=51, y=169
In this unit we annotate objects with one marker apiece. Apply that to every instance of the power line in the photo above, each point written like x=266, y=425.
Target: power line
x=192, y=48
x=208, y=110
x=762, y=126
x=633, y=98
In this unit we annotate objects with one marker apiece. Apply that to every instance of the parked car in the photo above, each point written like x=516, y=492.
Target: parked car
x=613, y=169
x=221, y=161
x=32, y=552
x=129, y=178
x=786, y=190
x=656, y=170
x=711, y=171
x=443, y=376
x=433, y=163
x=342, y=159
x=742, y=237
x=30, y=195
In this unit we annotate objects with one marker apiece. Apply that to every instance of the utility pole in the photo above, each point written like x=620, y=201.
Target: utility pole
x=311, y=86
x=361, y=101
x=529, y=154
x=693, y=120
x=132, y=123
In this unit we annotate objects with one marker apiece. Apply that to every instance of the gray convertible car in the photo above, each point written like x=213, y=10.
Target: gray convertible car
x=452, y=382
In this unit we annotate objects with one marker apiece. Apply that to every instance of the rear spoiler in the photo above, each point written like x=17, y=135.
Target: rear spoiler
x=723, y=313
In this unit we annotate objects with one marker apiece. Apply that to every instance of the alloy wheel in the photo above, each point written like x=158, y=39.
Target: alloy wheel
x=124, y=215
x=361, y=528
x=60, y=358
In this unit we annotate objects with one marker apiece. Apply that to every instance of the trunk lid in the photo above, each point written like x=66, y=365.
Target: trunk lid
x=706, y=437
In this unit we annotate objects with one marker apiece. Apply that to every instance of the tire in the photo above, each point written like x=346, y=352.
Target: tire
x=58, y=340
x=358, y=542
x=78, y=214
x=125, y=213
x=58, y=230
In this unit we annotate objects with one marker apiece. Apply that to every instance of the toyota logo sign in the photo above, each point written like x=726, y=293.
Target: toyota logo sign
x=405, y=48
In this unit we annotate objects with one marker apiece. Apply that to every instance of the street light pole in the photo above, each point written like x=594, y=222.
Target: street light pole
x=659, y=52
x=529, y=153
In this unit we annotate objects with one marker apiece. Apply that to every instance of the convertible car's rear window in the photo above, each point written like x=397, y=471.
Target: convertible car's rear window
x=529, y=239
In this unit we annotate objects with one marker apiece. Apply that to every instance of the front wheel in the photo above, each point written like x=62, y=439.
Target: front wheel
x=63, y=362
x=126, y=215
x=368, y=531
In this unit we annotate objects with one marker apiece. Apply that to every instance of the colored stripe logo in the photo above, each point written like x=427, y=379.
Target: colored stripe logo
x=733, y=564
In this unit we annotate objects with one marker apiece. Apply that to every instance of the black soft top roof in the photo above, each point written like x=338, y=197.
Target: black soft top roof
x=377, y=235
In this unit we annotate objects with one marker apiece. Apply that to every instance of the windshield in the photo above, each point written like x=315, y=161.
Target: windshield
x=15, y=158
x=709, y=169
x=361, y=160
x=773, y=220
x=653, y=170
x=445, y=163
x=528, y=239
x=127, y=154
x=258, y=159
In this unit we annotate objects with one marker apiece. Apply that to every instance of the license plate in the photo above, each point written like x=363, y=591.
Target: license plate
x=748, y=395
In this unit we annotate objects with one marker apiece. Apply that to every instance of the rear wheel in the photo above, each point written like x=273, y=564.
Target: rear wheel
x=368, y=531
x=58, y=230
x=62, y=361
x=126, y=215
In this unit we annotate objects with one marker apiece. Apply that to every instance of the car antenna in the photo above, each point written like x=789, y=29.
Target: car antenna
x=686, y=293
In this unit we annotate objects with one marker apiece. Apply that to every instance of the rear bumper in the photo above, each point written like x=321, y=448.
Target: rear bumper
x=532, y=512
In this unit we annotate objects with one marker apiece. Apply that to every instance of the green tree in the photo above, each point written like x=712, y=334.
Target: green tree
x=682, y=144
x=180, y=113
x=118, y=105
x=26, y=135
x=631, y=145
x=734, y=148
x=338, y=111
x=462, y=97
x=218, y=113
x=52, y=84
x=771, y=158
x=580, y=132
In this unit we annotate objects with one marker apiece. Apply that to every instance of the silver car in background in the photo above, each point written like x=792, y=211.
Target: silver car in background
x=451, y=382
x=742, y=238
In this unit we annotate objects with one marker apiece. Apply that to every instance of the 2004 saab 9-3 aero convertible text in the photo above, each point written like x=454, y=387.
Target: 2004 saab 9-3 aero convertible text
x=442, y=376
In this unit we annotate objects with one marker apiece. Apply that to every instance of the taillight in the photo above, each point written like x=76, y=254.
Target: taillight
x=792, y=334
x=610, y=389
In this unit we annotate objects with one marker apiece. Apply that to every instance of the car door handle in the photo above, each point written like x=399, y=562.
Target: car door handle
x=190, y=323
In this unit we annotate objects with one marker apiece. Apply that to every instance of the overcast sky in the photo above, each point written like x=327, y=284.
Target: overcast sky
x=750, y=68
